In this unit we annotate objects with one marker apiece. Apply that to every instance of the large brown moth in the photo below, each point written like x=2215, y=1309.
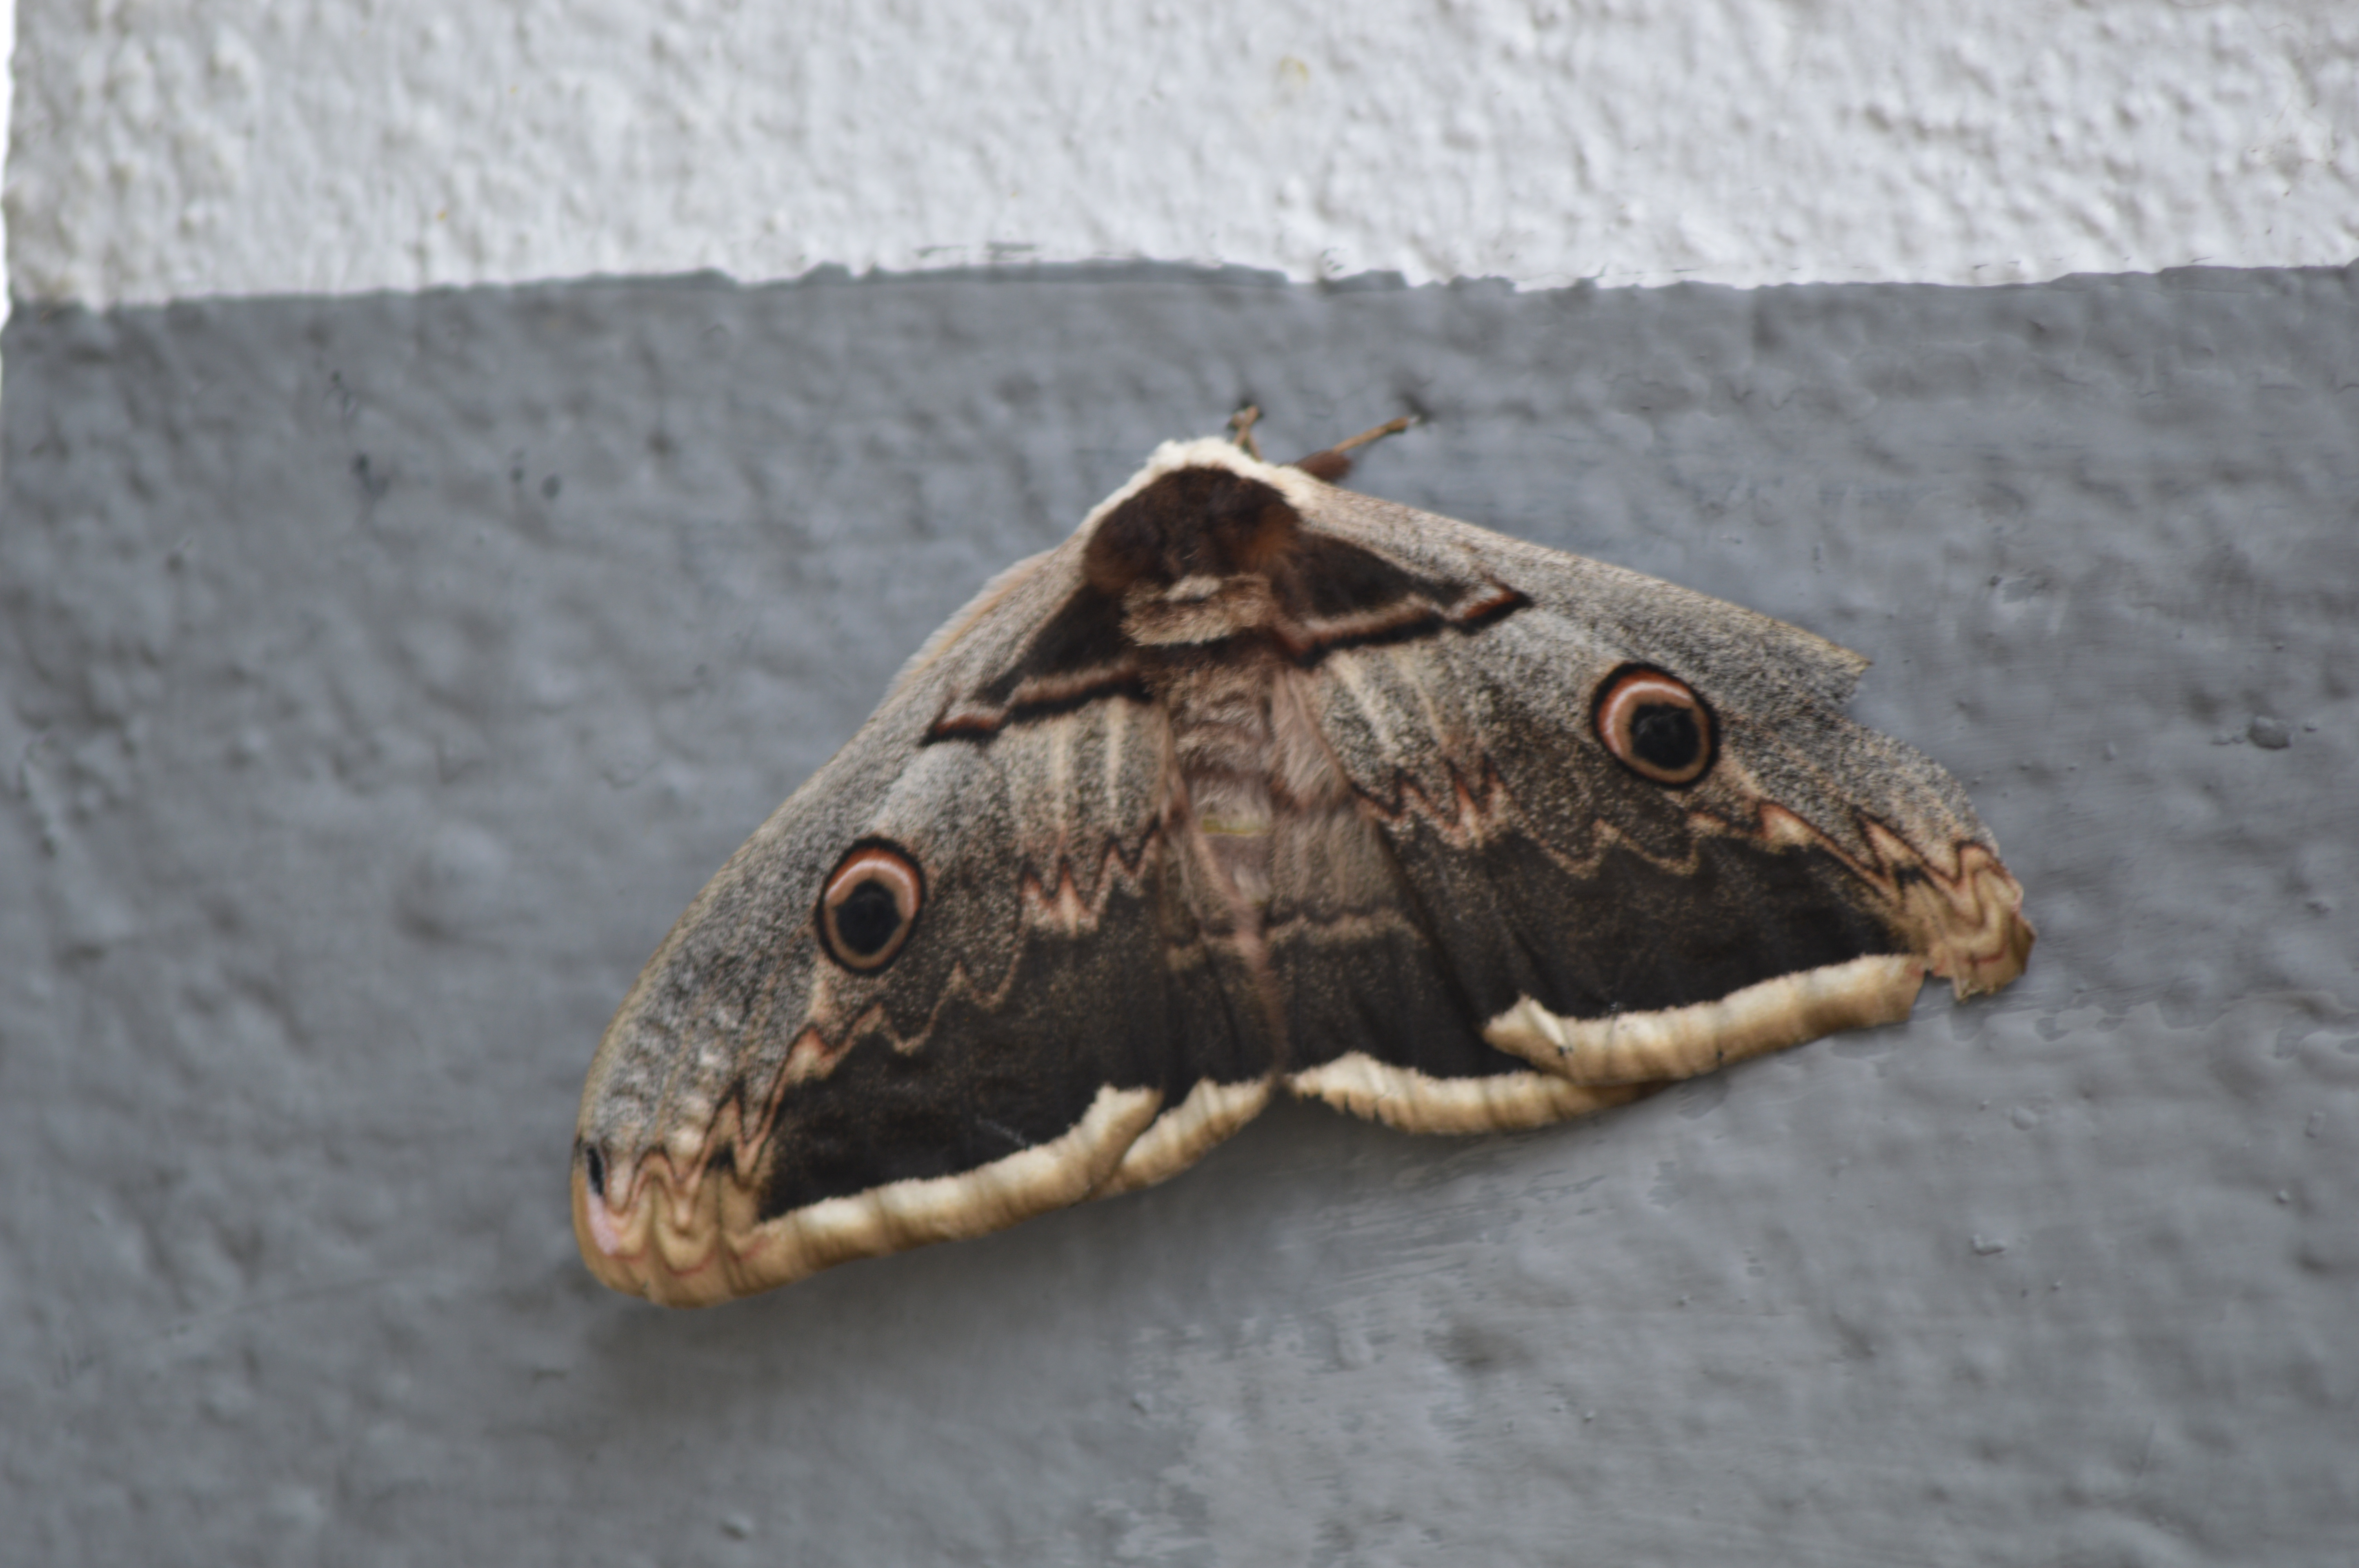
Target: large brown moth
x=1256, y=783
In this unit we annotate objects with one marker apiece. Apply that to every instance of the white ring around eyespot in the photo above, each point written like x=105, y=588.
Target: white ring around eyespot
x=871, y=862
x=1641, y=688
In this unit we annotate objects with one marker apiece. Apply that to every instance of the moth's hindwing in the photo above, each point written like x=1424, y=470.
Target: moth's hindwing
x=1254, y=781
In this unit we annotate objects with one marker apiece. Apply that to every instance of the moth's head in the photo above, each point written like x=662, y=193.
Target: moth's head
x=1191, y=556
x=1200, y=521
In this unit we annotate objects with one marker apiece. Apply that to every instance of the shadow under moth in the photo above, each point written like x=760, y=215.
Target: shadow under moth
x=1257, y=784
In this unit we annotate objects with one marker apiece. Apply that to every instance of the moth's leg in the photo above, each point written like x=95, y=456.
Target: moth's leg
x=1392, y=426
x=1335, y=462
x=1240, y=425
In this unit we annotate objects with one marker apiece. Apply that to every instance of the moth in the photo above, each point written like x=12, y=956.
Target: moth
x=1257, y=784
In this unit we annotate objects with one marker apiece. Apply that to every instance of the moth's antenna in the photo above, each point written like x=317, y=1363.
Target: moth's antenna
x=1240, y=425
x=1333, y=463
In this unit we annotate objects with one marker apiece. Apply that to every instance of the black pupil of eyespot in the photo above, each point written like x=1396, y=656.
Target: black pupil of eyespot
x=867, y=917
x=1665, y=737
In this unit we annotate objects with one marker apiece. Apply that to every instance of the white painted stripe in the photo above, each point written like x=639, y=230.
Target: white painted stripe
x=7, y=118
x=245, y=147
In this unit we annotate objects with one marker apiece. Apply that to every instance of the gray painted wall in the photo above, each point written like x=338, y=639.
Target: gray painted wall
x=384, y=675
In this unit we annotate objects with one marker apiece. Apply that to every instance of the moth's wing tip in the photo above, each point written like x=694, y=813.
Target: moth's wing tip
x=595, y=1234
x=1970, y=929
x=2000, y=966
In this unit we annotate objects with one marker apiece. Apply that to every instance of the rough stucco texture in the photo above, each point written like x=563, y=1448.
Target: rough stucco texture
x=165, y=150
x=383, y=677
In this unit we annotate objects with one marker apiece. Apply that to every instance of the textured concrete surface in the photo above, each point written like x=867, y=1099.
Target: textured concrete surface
x=166, y=149
x=382, y=676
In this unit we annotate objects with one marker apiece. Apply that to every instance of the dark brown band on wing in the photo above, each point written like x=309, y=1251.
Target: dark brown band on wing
x=1079, y=656
x=1042, y=700
x=1016, y=1069
x=1336, y=595
x=1484, y=926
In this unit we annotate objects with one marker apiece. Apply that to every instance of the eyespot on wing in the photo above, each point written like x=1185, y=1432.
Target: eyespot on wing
x=1655, y=725
x=870, y=904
